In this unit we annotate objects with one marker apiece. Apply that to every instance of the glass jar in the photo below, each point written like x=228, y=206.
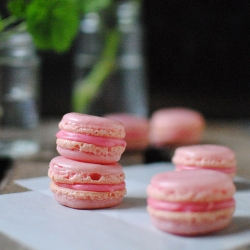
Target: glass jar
x=19, y=81
x=125, y=89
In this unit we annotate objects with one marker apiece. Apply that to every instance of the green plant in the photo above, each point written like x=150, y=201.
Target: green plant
x=53, y=25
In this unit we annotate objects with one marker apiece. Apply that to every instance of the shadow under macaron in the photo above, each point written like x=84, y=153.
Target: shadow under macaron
x=239, y=224
x=131, y=202
x=242, y=185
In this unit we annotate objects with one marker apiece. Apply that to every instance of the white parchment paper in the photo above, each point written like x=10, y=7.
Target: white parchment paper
x=36, y=220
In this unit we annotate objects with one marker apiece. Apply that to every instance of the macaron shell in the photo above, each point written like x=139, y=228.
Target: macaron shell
x=86, y=199
x=90, y=153
x=193, y=217
x=205, y=155
x=86, y=204
x=195, y=186
x=68, y=171
x=90, y=148
x=92, y=125
x=191, y=224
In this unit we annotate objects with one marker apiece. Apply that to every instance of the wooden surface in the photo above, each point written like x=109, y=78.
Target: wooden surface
x=234, y=134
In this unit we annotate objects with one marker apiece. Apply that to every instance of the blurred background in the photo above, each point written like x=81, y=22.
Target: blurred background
x=197, y=55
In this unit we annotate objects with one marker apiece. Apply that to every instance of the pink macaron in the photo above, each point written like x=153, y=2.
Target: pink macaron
x=176, y=127
x=191, y=202
x=90, y=138
x=205, y=156
x=136, y=128
x=84, y=185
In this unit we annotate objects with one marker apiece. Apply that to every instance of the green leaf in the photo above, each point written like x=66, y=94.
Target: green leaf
x=88, y=6
x=53, y=24
x=18, y=7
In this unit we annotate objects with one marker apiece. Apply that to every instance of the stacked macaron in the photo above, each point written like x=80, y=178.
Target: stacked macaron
x=87, y=174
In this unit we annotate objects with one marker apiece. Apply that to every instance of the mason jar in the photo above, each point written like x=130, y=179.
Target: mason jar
x=19, y=81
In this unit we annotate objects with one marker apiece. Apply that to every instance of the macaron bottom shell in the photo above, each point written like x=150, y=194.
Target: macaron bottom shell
x=192, y=227
x=86, y=204
x=100, y=158
x=86, y=199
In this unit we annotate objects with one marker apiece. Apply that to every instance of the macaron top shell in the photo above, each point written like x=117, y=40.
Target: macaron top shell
x=70, y=171
x=92, y=125
x=175, y=116
x=194, y=186
x=204, y=155
x=62, y=163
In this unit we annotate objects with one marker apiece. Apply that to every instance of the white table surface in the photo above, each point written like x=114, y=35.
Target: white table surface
x=36, y=220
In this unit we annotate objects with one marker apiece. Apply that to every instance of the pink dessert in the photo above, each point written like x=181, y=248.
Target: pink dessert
x=206, y=156
x=191, y=202
x=176, y=127
x=136, y=128
x=90, y=138
x=84, y=185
